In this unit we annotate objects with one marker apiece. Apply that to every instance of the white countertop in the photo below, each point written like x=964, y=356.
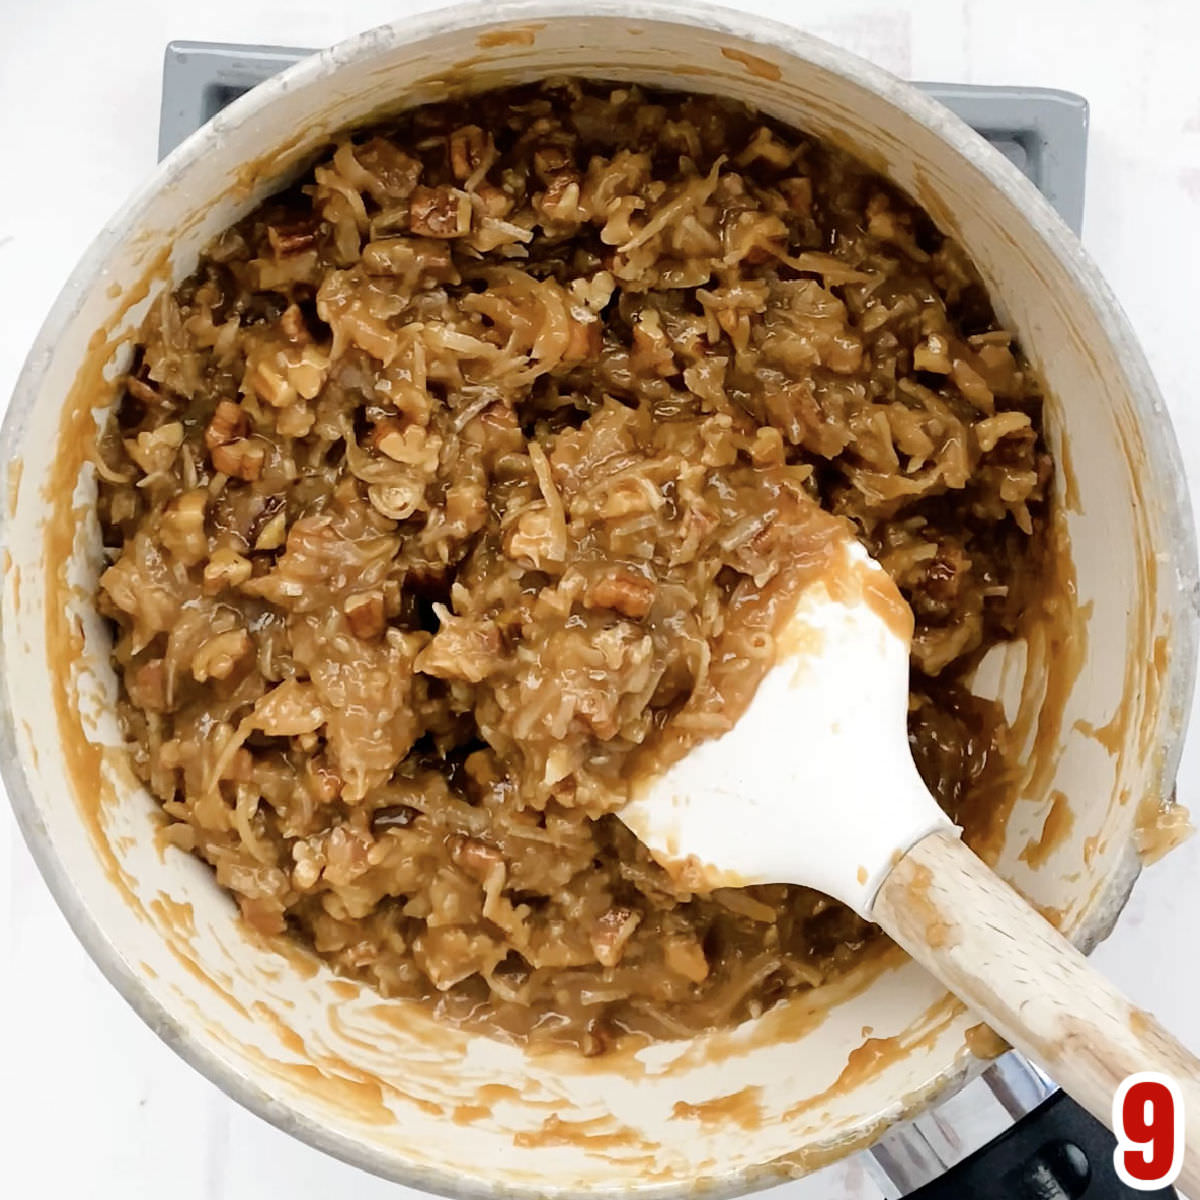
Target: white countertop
x=95, y=1106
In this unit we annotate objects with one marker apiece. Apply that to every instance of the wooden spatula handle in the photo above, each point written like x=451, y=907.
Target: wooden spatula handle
x=1029, y=983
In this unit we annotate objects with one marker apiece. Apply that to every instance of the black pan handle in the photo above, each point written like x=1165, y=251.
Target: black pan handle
x=1058, y=1151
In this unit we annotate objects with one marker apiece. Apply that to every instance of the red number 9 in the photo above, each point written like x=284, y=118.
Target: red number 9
x=1147, y=1117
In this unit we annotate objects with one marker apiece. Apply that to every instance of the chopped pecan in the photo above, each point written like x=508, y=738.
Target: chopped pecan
x=218, y=657
x=387, y=437
x=652, y=351
x=290, y=709
x=295, y=421
x=364, y=611
x=147, y=685
x=242, y=459
x=765, y=146
x=475, y=857
x=291, y=238
x=417, y=260
x=310, y=862
x=610, y=933
x=585, y=342
x=230, y=422
x=627, y=592
x=273, y=533
x=182, y=527
x=535, y=538
x=470, y=149
x=440, y=212
x=407, y=442
x=263, y=915
x=933, y=354
x=464, y=648
x=549, y=160
x=495, y=200
x=154, y=450
x=393, y=174
x=280, y=375
x=685, y=957
x=560, y=200
x=226, y=569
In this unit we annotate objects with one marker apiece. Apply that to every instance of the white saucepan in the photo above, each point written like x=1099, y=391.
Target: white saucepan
x=1098, y=691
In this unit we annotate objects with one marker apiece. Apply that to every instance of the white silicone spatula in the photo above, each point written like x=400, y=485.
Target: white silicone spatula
x=815, y=785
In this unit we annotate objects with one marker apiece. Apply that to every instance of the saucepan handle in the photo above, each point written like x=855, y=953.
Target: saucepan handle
x=1058, y=1151
x=1015, y=970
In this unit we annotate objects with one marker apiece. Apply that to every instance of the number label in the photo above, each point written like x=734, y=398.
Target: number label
x=1147, y=1117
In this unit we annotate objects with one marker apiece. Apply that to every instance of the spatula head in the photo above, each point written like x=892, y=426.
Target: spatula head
x=814, y=784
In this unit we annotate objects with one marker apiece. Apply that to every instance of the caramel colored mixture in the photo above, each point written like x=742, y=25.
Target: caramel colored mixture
x=477, y=462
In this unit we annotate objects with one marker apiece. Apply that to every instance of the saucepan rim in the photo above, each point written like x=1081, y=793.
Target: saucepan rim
x=1056, y=240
